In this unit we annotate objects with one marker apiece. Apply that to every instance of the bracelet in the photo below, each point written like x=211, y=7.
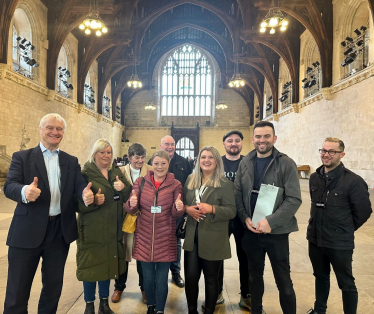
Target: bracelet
x=212, y=209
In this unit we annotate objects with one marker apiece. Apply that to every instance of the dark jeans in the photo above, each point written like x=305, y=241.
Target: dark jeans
x=175, y=267
x=341, y=261
x=193, y=265
x=120, y=283
x=277, y=247
x=89, y=290
x=236, y=227
x=156, y=283
x=22, y=267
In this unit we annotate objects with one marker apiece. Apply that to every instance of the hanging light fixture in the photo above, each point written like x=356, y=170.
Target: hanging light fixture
x=273, y=19
x=134, y=81
x=236, y=80
x=221, y=103
x=150, y=105
x=93, y=23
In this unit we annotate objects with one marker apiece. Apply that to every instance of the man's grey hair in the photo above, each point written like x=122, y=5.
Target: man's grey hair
x=162, y=140
x=52, y=115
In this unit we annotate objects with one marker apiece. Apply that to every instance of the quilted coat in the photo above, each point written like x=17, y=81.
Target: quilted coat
x=155, y=239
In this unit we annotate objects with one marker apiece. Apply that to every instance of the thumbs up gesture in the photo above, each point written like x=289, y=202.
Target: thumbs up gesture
x=133, y=199
x=99, y=198
x=31, y=191
x=88, y=196
x=178, y=203
x=118, y=185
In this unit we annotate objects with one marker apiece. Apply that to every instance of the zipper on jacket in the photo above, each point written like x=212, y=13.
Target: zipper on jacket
x=153, y=237
x=327, y=195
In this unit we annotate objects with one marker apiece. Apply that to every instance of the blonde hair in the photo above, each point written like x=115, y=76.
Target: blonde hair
x=336, y=140
x=98, y=146
x=162, y=154
x=52, y=115
x=215, y=178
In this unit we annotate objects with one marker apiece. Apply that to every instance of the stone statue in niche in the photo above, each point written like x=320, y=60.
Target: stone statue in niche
x=24, y=139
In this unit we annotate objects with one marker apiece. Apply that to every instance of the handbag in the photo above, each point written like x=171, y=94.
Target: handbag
x=129, y=224
x=181, y=229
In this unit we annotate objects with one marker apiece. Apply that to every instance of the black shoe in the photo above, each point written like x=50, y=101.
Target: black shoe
x=178, y=280
x=151, y=309
x=90, y=308
x=104, y=307
x=311, y=311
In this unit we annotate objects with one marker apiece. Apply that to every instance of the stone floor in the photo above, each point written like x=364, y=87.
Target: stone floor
x=72, y=299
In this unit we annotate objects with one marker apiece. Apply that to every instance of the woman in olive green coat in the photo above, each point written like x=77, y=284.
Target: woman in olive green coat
x=100, y=251
x=210, y=204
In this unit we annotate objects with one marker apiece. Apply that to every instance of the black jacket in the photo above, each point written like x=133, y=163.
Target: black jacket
x=30, y=221
x=281, y=172
x=340, y=206
x=181, y=168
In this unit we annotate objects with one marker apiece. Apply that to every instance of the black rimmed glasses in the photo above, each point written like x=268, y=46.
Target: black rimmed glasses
x=330, y=152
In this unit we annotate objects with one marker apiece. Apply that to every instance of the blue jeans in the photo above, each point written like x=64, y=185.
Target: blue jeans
x=155, y=276
x=89, y=289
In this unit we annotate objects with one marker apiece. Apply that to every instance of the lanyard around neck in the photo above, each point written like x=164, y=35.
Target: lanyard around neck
x=199, y=193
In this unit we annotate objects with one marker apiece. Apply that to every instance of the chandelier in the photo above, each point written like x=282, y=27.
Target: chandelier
x=93, y=23
x=150, y=106
x=273, y=19
x=221, y=106
x=236, y=80
x=134, y=81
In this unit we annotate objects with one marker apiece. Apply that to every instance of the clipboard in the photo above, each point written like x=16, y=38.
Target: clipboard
x=269, y=198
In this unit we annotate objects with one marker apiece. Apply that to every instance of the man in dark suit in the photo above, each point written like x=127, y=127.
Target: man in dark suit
x=43, y=181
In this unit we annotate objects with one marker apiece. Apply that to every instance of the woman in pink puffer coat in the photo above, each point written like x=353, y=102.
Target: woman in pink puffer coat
x=159, y=203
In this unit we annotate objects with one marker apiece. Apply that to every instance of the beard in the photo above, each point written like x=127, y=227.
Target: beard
x=267, y=149
x=236, y=152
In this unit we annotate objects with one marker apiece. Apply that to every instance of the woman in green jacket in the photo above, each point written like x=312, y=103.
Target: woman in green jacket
x=210, y=204
x=100, y=252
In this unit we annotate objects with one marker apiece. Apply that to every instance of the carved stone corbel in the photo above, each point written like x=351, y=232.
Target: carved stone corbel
x=326, y=92
x=80, y=108
x=276, y=117
x=295, y=108
x=100, y=117
x=51, y=94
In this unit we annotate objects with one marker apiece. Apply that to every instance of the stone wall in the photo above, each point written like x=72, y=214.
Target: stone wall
x=348, y=115
x=237, y=114
x=23, y=103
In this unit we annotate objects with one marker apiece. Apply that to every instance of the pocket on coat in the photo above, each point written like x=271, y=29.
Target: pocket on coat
x=21, y=211
x=94, y=232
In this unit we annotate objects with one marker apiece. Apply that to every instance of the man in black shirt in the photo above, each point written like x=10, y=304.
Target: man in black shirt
x=233, y=144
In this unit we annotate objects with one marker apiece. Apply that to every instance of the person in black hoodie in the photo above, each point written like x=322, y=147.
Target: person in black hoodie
x=340, y=205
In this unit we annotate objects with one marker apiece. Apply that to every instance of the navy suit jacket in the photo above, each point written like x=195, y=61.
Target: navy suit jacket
x=30, y=221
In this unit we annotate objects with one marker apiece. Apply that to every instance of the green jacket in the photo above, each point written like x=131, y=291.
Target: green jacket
x=213, y=231
x=100, y=251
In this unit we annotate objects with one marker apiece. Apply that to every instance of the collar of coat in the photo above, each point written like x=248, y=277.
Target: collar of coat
x=169, y=180
x=276, y=154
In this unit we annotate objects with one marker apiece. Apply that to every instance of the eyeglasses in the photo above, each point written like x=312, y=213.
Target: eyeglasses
x=330, y=152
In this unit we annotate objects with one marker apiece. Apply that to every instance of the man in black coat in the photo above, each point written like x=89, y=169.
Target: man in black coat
x=181, y=169
x=43, y=181
x=340, y=205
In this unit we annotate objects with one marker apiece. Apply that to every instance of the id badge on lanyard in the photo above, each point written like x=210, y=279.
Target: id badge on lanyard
x=155, y=209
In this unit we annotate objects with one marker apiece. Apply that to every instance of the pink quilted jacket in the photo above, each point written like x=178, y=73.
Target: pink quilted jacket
x=155, y=239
